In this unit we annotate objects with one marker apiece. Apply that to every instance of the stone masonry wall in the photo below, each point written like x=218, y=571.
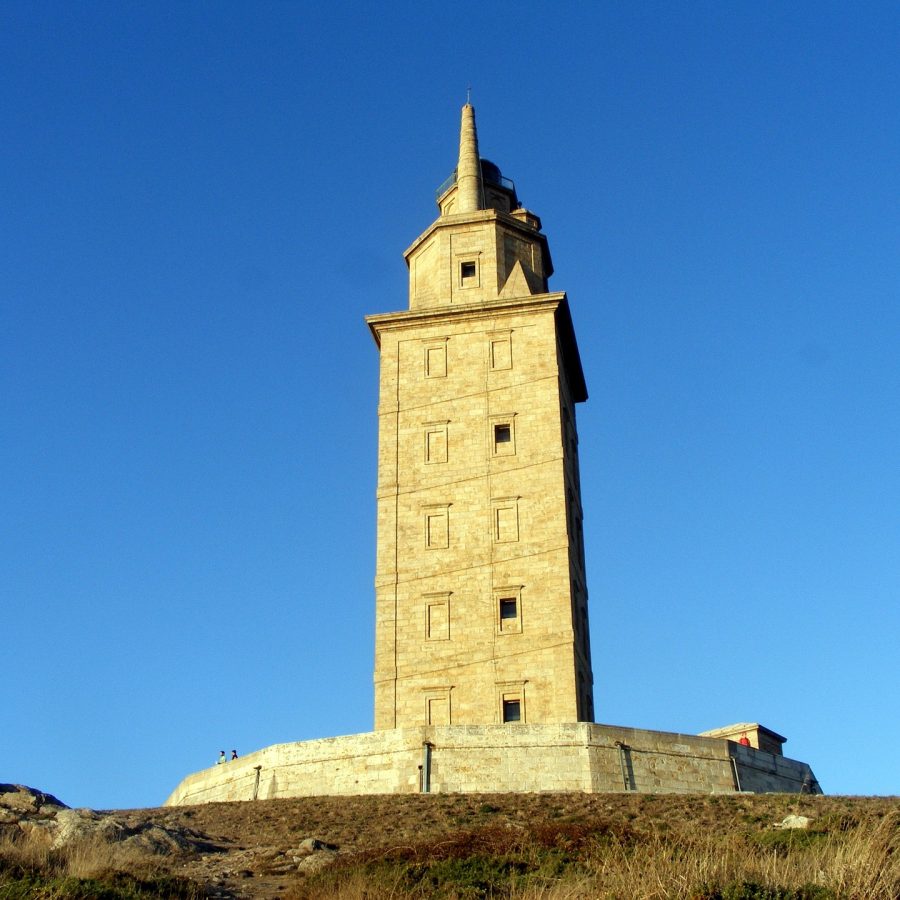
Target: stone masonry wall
x=378, y=762
x=465, y=521
x=761, y=772
x=496, y=758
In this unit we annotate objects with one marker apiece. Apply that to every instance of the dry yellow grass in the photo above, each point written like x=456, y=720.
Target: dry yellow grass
x=516, y=846
x=865, y=866
x=31, y=867
x=851, y=851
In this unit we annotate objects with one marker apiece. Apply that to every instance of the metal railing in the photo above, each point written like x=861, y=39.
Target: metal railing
x=446, y=184
x=507, y=183
x=499, y=180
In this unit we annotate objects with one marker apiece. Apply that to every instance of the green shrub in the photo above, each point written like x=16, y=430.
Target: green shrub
x=790, y=839
x=751, y=890
x=471, y=878
x=32, y=886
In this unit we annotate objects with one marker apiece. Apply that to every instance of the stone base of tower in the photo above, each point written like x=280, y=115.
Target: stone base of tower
x=498, y=758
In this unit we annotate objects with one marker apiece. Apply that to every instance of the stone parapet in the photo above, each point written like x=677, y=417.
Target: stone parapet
x=574, y=756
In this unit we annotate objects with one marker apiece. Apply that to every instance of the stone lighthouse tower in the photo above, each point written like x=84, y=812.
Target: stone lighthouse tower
x=481, y=600
x=482, y=661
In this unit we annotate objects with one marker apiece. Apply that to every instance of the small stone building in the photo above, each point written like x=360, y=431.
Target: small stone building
x=751, y=734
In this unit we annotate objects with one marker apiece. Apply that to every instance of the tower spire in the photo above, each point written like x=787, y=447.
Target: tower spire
x=470, y=191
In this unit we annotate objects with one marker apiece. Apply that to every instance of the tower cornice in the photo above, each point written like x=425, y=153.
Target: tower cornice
x=558, y=303
x=407, y=318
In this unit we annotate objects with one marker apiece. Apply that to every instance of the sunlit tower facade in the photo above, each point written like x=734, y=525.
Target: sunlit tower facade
x=481, y=597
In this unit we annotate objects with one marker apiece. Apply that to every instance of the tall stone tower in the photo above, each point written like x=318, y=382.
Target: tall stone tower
x=481, y=600
x=481, y=606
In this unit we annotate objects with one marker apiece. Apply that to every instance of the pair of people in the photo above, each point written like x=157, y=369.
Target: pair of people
x=222, y=758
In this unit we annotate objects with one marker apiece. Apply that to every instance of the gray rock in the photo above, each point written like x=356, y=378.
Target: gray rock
x=74, y=825
x=110, y=829
x=24, y=799
x=158, y=840
x=794, y=822
x=317, y=861
x=313, y=845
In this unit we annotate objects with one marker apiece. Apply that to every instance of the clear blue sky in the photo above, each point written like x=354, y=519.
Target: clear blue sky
x=199, y=203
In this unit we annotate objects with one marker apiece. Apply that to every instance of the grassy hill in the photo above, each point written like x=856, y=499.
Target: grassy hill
x=524, y=846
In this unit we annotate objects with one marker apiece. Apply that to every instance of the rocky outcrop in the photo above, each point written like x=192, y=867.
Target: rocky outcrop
x=136, y=838
x=18, y=798
x=27, y=810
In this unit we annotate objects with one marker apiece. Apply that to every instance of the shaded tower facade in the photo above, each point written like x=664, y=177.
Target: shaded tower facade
x=481, y=599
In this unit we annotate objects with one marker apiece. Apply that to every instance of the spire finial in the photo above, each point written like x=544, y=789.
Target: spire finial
x=468, y=170
x=469, y=95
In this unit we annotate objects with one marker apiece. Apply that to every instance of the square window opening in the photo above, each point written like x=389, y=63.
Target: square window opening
x=509, y=609
x=502, y=434
x=467, y=270
x=512, y=711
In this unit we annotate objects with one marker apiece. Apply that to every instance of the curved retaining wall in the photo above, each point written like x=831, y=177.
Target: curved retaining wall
x=497, y=758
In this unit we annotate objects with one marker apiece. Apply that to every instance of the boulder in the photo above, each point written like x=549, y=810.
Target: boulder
x=317, y=861
x=24, y=799
x=794, y=822
x=312, y=845
x=74, y=825
x=158, y=840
